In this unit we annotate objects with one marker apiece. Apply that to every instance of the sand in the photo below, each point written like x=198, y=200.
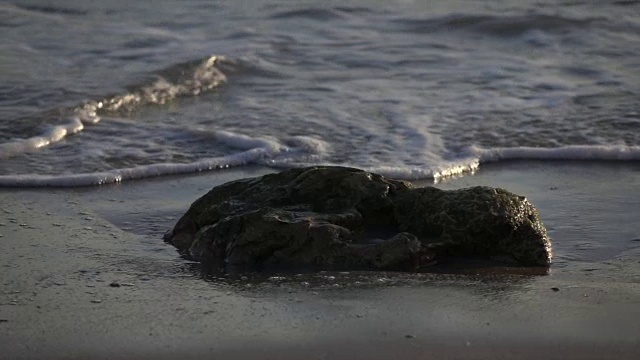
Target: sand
x=84, y=273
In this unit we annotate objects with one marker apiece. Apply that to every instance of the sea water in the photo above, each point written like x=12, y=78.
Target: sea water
x=101, y=92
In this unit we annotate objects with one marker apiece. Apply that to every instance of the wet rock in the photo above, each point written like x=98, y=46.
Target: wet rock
x=336, y=217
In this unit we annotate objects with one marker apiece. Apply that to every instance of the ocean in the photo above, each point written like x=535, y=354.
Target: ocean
x=101, y=92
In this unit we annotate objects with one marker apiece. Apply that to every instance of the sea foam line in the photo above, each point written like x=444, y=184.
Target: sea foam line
x=253, y=150
x=569, y=152
x=177, y=81
x=473, y=157
x=139, y=172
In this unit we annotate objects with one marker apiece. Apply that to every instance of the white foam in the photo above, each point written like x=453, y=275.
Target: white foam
x=474, y=156
x=308, y=144
x=436, y=172
x=139, y=172
x=203, y=77
x=243, y=142
x=570, y=152
x=267, y=151
x=54, y=134
x=255, y=150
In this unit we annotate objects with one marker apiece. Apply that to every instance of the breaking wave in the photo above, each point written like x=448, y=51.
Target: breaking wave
x=187, y=79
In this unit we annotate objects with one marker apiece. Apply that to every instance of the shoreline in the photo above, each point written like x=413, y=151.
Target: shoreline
x=62, y=249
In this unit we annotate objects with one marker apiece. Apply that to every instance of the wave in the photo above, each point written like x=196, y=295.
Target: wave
x=570, y=152
x=252, y=150
x=300, y=151
x=51, y=9
x=502, y=26
x=187, y=79
x=310, y=13
x=473, y=157
x=320, y=14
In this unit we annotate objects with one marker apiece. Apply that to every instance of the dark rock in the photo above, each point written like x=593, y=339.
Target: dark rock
x=336, y=217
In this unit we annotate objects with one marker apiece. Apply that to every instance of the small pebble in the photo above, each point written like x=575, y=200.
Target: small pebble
x=555, y=289
x=96, y=301
x=409, y=336
x=3, y=320
x=114, y=284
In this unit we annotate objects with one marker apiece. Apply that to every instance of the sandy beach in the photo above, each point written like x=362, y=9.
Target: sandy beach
x=84, y=273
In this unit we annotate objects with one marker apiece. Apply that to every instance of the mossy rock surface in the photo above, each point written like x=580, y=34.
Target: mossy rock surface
x=345, y=218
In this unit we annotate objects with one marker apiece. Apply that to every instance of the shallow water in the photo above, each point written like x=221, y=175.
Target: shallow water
x=94, y=93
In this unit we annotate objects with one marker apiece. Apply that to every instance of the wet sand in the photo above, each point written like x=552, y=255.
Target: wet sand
x=84, y=273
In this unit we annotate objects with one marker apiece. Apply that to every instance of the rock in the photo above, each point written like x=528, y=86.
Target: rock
x=336, y=217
